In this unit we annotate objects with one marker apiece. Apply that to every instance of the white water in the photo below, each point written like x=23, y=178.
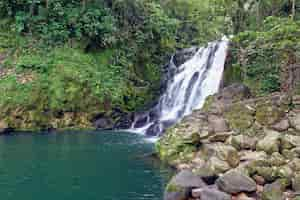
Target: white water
x=192, y=82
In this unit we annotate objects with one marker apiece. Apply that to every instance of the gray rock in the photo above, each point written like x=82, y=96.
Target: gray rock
x=210, y=194
x=234, y=182
x=270, y=143
x=219, y=137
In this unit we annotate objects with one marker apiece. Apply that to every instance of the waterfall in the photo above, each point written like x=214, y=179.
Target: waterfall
x=188, y=85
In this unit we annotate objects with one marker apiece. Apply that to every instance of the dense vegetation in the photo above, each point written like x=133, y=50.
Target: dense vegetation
x=92, y=57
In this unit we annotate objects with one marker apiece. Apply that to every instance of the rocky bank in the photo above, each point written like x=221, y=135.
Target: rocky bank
x=236, y=147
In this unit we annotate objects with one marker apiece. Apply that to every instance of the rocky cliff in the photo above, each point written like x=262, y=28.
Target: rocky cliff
x=238, y=147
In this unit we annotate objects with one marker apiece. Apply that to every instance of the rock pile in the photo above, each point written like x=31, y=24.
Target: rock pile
x=241, y=148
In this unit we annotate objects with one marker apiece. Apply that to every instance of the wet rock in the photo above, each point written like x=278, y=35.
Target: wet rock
x=273, y=191
x=281, y=126
x=210, y=194
x=182, y=184
x=103, y=123
x=184, y=55
x=234, y=182
x=3, y=127
x=270, y=143
x=295, y=121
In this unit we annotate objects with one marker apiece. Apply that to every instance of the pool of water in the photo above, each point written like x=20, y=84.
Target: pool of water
x=79, y=166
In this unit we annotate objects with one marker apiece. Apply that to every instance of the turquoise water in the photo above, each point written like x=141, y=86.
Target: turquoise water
x=79, y=166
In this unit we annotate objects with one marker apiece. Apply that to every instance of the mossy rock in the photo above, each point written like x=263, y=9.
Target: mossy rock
x=240, y=117
x=268, y=114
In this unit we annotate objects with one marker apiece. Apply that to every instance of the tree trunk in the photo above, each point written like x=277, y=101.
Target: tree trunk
x=293, y=9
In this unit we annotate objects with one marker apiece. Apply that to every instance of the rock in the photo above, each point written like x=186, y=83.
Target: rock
x=290, y=141
x=296, y=183
x=240, y=117
x=223, y=152
x=243, y=142
x=295, y=164
x=253, y=155
x=210, y=194
x=273, y=191
x=268, y=113
x=270, y=143
x=218, y=166
x=243, y=196
x=181, y=185
x=281, y=126
x=234, y=92
x=184, y=55
x=217, y=123
x=103, y=123
x=3, y=127
x=295, y=121
x=259, y=179
x=234, y=182
x=277, y=159
x=220, y=137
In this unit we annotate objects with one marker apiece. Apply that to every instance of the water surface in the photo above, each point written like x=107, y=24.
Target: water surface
x=79, y=166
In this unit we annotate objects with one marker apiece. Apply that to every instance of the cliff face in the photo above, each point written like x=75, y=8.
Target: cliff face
x=254, y=137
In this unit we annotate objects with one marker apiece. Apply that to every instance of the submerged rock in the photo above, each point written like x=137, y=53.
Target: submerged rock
x=234, y=182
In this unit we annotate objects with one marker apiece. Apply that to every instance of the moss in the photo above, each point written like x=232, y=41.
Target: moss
x=173, y=188
x=208, y=102
x=268, y=114
x=240, y=117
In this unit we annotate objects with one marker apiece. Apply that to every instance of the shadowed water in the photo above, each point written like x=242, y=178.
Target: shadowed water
x=79, y=166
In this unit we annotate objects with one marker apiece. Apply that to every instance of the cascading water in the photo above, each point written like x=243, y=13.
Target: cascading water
x=187, y=88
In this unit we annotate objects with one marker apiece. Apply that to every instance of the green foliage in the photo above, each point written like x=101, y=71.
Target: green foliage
x=261, y=55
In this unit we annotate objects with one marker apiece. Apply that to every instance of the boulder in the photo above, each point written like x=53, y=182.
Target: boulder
x=270, y=143
x=268, y=113
x=234, y=182
x=210, y=194
x=233, y=93
x=296, y=183
x=295, y=121
x=223, y=152
x=290, y=141
x=273, y=191
x=182, y=184
x=281, y=126
x=241, y=142
x=220, y=136
x=217, y=123
x=3, y=127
